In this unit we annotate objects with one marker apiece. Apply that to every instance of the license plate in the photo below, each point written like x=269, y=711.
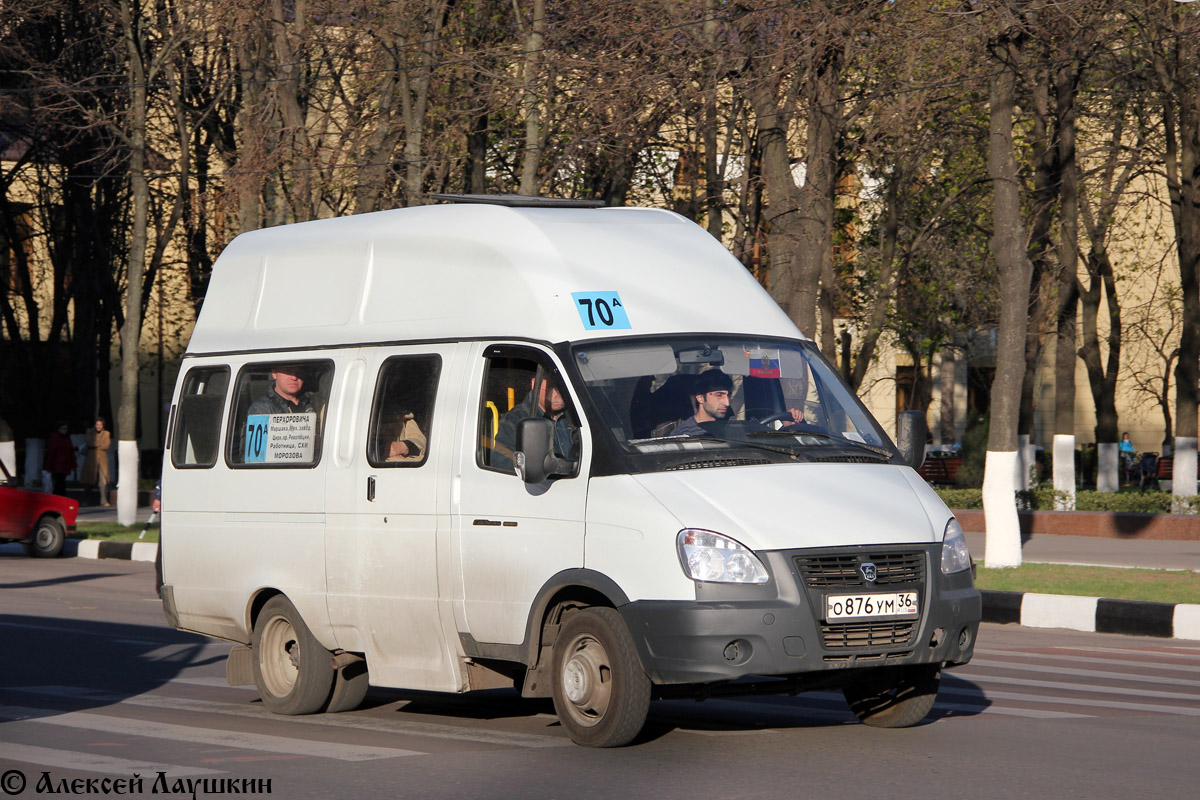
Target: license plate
x=857, y=606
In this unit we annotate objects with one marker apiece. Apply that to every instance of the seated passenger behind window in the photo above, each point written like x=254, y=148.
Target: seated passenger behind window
x=406, y=440
x=550, y=405
x=287, y=394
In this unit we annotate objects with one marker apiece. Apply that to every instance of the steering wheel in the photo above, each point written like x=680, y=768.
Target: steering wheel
x=784, y=416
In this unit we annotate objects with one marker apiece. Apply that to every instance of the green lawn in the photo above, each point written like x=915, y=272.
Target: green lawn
x=1123, y=584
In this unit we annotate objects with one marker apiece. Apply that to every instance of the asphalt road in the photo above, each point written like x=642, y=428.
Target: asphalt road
x=94, y=685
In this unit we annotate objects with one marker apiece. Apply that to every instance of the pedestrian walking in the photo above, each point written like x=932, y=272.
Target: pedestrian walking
x=60, y=457
x=95, y=463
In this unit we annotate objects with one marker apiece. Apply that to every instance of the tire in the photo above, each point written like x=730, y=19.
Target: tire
x=894, y=697
x=349, y=687
x=601, y=693
x=291, y=668
x=47, y=538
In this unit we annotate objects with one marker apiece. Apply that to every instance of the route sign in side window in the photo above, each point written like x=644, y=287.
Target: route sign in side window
x=279, y=413
x=402, y=414
x=197, y=438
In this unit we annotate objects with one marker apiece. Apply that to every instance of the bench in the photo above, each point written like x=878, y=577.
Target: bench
x=940, y=470
x=1166, y=468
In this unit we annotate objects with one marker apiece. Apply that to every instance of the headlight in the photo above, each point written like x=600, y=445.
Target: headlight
x=955, y=555
x=708, y=556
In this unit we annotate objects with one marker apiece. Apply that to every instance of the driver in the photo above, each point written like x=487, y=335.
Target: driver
x=710, y=395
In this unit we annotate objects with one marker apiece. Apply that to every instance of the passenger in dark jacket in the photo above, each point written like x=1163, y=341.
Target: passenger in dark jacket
x=60, y=457
x=552, y=406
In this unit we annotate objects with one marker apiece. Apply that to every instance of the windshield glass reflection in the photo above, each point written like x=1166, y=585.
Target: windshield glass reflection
x=681, y=395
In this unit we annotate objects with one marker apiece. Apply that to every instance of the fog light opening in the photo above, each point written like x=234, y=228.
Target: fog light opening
x=939, y=635
x=964, y=637
x=737, y=652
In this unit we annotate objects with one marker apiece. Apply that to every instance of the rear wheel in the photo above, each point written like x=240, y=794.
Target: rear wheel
x=47, y=539
x=601, y=693
x=291, y=668
x=894, y=697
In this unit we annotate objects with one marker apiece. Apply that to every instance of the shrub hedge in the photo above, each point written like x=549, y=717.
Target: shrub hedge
x=1042, y=499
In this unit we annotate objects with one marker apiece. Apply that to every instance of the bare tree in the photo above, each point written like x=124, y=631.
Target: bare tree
x=1015, y=268
x=1175, y=57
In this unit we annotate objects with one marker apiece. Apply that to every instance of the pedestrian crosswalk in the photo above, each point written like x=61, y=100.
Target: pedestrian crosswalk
x=201, y=723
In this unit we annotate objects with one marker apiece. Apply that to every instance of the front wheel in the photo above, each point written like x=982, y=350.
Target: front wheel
x=601, y=693
x=894, y=697
x=293, y=671
x=47, y=539
x=350, y=684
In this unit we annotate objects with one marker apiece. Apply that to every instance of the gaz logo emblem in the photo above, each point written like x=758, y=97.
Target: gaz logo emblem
x=868, y=571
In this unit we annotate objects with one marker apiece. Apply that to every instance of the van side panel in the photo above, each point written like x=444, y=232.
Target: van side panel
x=232, y=532
x=383, y=524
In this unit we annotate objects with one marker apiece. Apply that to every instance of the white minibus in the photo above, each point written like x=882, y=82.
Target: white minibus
x=520, y=442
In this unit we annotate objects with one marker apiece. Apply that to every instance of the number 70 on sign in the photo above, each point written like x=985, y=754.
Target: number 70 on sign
x=601, y=310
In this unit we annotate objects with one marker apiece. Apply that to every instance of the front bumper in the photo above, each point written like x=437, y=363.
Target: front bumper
x=776, y=629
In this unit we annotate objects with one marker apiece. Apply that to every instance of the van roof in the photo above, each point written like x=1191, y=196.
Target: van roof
x=478, y=270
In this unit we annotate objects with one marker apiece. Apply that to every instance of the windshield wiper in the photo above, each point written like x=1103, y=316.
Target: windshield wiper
x=887, y=454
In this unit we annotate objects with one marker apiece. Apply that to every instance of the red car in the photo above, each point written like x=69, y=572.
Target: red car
x=39, y=521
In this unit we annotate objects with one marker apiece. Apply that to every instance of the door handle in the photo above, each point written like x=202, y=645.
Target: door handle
x=371, y=489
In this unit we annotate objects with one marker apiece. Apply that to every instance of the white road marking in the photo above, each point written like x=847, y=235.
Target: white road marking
x=346, y=720
x=1082, y=673
x=187, y=733
x=1087, y=687
x=1116, y=662
x=91, y=762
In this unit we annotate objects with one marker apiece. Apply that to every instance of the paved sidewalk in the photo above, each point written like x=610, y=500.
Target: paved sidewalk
x=1098, y=551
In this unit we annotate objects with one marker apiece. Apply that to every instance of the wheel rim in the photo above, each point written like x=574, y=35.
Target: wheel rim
x=45, y=537
x=279, y=657
x=587, y=676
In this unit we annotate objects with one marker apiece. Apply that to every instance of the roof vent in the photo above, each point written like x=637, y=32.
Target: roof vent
x=518, y=200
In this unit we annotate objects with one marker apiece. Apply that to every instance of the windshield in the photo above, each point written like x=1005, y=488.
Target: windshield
x=692, y=402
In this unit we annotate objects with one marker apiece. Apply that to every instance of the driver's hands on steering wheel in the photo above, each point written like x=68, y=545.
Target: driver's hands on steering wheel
x=784, y=419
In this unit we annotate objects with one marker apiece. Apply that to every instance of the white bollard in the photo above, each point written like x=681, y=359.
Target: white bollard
x=127, y=482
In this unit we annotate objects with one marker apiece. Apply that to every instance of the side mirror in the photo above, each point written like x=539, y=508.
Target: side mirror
x=533, y=455
x=910, y=437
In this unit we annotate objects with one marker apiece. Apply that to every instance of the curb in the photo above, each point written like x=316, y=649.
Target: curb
x=129, y=551
x=98, y=548
x=1095, y=614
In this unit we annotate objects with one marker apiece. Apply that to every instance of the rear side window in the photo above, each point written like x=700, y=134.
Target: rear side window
x=197, y=438
x=279, y=413
x=402, y=413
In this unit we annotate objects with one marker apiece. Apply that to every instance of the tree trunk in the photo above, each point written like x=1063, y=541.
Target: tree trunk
x=127, y=449
x=814, y=256
x=530, y=102
x=1066, y=82
x=303, y=202
x=1003, y=548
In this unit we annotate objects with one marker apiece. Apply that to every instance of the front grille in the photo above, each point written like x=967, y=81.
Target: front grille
x=841, y=570
x=873, y=633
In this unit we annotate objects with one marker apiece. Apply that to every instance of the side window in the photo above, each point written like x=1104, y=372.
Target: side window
x=197, y=437
x=278, y=414
x=508, y=398
x=402, y=412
